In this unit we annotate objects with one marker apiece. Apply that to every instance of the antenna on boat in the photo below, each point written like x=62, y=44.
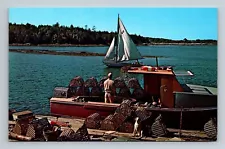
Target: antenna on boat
x=157, y=64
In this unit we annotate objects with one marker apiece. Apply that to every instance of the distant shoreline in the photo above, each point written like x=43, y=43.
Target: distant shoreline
x=65, y=53
x=101, y=45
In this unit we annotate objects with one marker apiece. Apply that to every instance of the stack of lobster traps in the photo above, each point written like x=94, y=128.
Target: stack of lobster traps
x=122, y=120
x=70, y=135
x=91, y=87
x=117, y=121
x=138, y=91
x=36, y=127
x=77, y=88
x=27, y=127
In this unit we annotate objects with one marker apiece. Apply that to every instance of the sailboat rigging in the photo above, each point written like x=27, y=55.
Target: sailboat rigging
x=122, y=49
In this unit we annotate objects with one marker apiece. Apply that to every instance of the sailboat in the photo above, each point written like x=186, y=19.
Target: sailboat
x=122, y=50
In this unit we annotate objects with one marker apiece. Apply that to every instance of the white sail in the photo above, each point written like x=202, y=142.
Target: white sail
x=111, y=51
x=130, y=50
x=120, y=52
x=122, y=47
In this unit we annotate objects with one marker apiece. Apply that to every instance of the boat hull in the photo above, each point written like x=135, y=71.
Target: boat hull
x=68, y=107
x=186, y=118
x=192, y=118
x=120, y=64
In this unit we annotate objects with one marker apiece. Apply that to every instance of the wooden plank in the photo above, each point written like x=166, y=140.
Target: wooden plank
x=22, y=114
x=195, y=135
x=19, y=137
x=12, y=122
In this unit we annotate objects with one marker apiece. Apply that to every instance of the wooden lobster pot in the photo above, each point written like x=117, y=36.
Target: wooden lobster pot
x=128, y=102
x=159, y=128
x=119, y=83
x=108, y=123
x=134, y=83
x=76, y=82
x=21, y=125
x=91, y=82
x=124, y=92
x=66, y=135
x=36, y=127
x=126, y=127
x=82, y=134
x=142, y=113
x=124, y=109
x=70, y=135
x=118, y=119
x=93, y=121
x=112, y=122
x=138, y=93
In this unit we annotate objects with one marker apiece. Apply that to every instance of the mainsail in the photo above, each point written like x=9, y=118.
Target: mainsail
x=122, y=47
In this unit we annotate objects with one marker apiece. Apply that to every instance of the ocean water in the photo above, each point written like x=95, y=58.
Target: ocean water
x=32, y=77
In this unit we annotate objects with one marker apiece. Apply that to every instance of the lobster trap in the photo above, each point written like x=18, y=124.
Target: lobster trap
x=134, y=83
x=210, y=128
x=126, y=127
x=119, y=83
x=66, y=135
x=36, y=127
x=159, y=128
x=93, y=121
x=91, y=82
x=108, y=123
x=21, y=125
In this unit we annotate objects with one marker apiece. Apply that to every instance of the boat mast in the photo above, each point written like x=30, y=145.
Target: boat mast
x=116, y=41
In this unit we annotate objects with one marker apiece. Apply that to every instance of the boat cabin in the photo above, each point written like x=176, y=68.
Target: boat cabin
x=161, y=83
x=172, y=94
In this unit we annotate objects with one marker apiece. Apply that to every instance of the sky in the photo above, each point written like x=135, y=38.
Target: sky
x=170, y=23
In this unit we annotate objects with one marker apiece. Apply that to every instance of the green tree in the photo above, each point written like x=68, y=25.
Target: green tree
x=94, y=28
x=86, y=27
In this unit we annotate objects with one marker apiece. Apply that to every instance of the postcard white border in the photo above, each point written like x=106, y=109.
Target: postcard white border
x=5, y=4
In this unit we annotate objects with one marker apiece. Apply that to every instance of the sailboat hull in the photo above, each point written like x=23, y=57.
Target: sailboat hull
x=120, y=64
x=116, y=65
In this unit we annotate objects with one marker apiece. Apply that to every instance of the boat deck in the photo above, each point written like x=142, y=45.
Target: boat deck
x=199, y=89
x=70, y=101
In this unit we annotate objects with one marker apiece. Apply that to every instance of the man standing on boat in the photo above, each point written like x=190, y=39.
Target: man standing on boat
x=110, y=89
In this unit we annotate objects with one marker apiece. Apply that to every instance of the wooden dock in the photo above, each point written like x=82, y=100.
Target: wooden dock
x=102, y=135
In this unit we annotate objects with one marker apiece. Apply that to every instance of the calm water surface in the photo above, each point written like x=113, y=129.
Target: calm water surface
x=32, y=77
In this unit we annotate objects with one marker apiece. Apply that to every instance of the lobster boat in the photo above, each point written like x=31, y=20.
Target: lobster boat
x=186, y=105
